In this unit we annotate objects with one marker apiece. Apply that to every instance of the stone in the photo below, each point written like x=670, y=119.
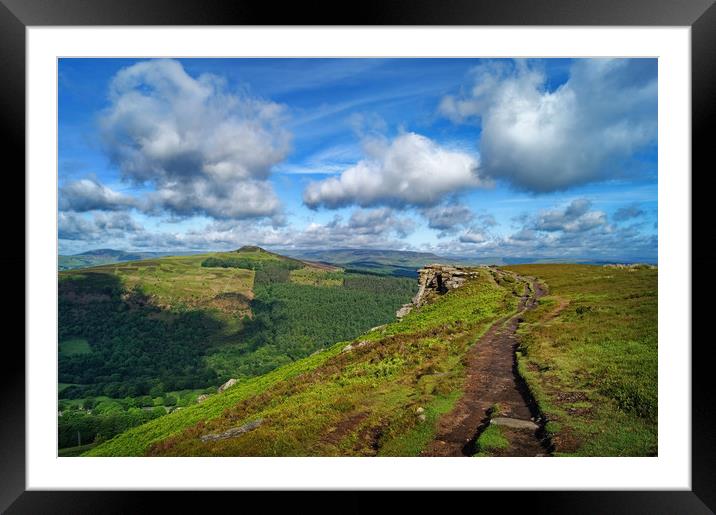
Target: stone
x=422, y=417
x=227, y=384
x=202, y=398
x=233, y=432
x=437, y=278
x=407, y=308
x=420, y=410
x=514, y=423
x=352, y=346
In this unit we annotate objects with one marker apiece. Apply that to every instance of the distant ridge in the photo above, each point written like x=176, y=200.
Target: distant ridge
x=107, y=256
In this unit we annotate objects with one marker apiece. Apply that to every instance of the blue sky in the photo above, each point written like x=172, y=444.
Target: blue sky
x=469, y=157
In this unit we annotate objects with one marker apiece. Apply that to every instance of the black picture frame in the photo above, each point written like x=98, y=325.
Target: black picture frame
x=16, y=15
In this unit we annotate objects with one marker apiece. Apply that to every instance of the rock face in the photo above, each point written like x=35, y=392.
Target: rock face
x=437, y=279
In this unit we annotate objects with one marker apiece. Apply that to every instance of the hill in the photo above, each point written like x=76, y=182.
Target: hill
x=163, y=331
x=398, y=263
x=102, y=257
x=587, y=352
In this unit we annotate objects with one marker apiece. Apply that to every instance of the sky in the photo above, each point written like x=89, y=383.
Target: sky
x=538, y=158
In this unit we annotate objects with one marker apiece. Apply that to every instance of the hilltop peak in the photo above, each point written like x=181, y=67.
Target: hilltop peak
x=251, y=248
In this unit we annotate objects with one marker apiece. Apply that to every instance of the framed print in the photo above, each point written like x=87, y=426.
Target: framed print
x=420, y=249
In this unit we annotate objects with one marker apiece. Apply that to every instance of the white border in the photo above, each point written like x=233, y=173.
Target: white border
x=671, y=469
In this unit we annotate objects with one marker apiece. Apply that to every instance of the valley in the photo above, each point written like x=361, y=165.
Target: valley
x=521, y=360
x=161, y=332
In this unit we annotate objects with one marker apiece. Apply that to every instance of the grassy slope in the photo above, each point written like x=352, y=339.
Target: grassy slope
x=590, y=358
x=180, y=282
x=360, y=402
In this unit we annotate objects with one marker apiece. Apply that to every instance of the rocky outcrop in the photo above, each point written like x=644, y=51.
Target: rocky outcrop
x=437, y=279
x=352, y=346
x=631, y=267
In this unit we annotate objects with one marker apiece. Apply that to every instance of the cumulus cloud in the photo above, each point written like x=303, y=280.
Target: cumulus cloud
x=480, y=231
x=628, y=212
x=100, y=227
x=378, y=222
x=204, y=149
x=576, y=217
x=473, y=235
x=411, y=170
x=89, y=195
x=575, y=230
x=585, y=130
x=447, y=218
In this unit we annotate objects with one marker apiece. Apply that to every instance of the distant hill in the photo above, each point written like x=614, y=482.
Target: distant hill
x=399, y=263
x=105, y=257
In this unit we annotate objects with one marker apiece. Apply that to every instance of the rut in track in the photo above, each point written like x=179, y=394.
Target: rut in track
x=492, y=379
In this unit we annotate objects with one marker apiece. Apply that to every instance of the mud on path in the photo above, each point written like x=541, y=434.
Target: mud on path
x=492, y=379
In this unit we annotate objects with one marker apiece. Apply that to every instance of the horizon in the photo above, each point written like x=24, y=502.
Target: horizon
x=473, y=158
x=288, y=252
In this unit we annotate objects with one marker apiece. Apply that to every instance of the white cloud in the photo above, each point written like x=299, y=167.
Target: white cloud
x=89, y=195
x=100, y=227
x=586, y=130
x=473, y=235
x=576, y=217
x=412, y=170
x=204, y=149
x=376, y=228
x=448, y=218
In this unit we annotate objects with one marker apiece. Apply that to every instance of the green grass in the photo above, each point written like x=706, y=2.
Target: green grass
x=592, y=367
x=74, y=346
x=412, y=442
x=491, y=439
x=181, y=283
x=136, y=441
x=316, y=277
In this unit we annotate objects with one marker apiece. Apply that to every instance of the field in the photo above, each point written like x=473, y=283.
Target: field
x=180, y=283
x=589, y=355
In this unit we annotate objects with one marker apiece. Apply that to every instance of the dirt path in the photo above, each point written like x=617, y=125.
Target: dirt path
x=492, y=379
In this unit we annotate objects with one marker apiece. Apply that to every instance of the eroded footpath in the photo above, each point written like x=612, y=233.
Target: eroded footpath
x=494, y=395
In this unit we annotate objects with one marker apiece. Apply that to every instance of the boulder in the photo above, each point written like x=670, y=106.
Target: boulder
x=227, y=384
x=233, y=432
